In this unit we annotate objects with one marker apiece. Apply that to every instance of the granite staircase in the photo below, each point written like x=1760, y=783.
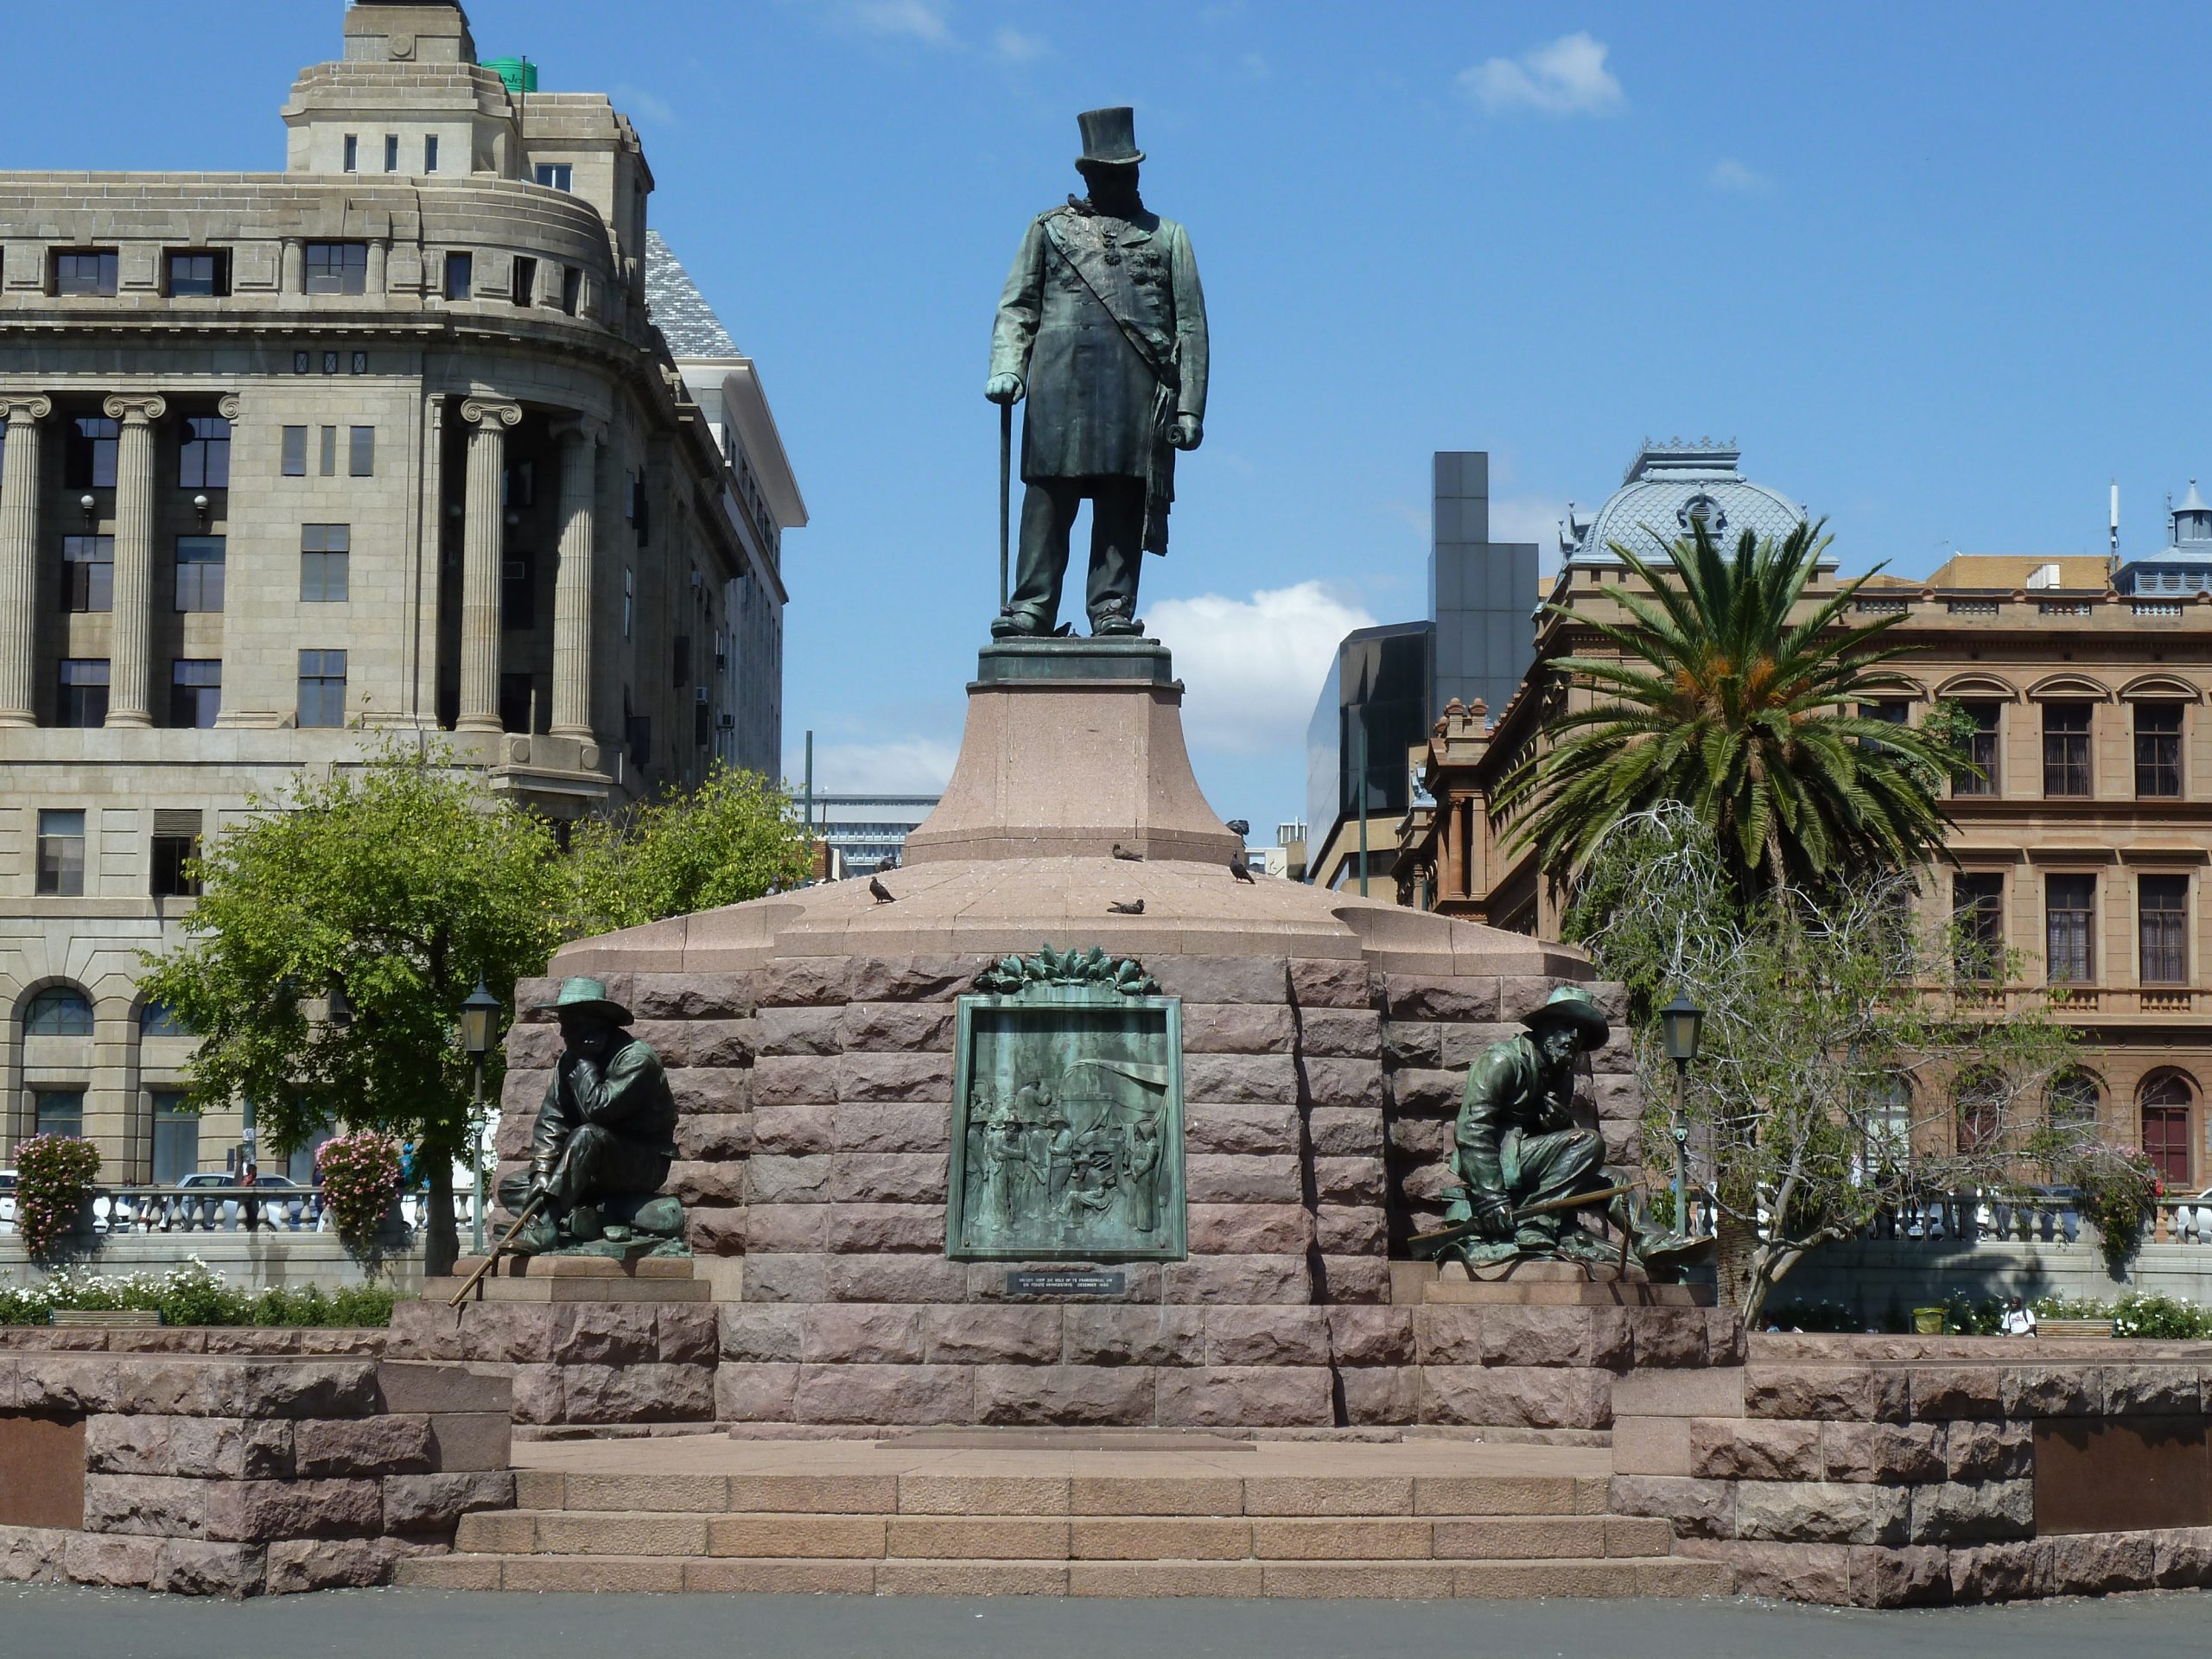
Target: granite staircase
x=1144, y=1518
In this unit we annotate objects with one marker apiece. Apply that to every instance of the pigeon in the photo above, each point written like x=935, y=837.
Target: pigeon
x=1127, y=908
x=883, y=895
x=1239, y=826
x=1238, y=868
x=1121, y=851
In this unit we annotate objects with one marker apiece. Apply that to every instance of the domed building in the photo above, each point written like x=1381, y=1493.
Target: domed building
x=1668, y=489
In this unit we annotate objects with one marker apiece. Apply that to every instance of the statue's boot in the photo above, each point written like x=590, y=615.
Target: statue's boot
x=1018, y=624
x=541, y=1233
x=584, y=1223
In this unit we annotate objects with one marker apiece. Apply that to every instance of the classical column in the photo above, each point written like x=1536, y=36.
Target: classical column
x=19, y=484
x=483, y=546
x=131, y=647
x=292, y=274
x=572, y=591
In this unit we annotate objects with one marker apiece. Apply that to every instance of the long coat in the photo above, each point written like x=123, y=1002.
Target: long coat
x=1096, y=408
x=628, y=1095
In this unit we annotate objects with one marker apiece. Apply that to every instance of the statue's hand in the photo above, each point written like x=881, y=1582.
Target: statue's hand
x=1190, y=432
x=1494, y=1217
x=1003, y=388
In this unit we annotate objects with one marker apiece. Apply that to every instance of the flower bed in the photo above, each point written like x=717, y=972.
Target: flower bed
x=194, y=1293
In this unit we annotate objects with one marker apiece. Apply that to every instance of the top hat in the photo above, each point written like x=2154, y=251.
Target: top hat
x=1109, y=137
x=1570, y=1004
x=581, y=995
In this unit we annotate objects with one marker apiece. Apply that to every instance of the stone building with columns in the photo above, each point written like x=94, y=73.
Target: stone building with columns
x=389, y=446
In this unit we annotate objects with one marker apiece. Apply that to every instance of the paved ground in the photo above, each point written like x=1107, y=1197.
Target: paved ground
x=41, y=1622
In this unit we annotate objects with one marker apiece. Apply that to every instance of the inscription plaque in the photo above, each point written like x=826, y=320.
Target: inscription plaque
x=1022, y=1282
x=1067, y=1116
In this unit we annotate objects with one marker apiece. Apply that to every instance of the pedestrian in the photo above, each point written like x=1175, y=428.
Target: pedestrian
x=2019, y=1319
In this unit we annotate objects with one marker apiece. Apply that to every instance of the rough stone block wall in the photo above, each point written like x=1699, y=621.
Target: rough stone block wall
x=239, y=1477
x=1879, y=1472
x=578, y=1364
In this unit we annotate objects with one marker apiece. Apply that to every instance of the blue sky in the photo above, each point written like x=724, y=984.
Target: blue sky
x=1940, y=270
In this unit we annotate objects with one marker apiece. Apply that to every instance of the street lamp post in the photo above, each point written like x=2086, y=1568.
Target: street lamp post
x=477, y=1015
x=1682, y=1023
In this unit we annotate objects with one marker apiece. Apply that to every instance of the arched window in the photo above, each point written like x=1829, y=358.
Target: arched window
x=2074, y=1097
x=59, y=1011
x=1981, y=1096
x=159, y=1019
x=2165, y=1099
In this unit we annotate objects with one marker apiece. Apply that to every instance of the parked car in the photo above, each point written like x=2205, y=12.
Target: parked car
x=7, y=1197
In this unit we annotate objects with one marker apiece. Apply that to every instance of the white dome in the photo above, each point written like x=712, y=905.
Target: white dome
x=1668, y=488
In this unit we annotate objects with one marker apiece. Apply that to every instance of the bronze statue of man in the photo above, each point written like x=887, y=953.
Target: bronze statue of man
x=1102, y=330
x=605, y=1134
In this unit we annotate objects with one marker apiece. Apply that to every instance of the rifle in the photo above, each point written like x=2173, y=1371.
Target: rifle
x=488, y=1262
x=1424, y=1246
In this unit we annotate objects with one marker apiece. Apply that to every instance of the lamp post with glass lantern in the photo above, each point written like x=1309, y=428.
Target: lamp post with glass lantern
x=477, y=1016
x=1682, y=1022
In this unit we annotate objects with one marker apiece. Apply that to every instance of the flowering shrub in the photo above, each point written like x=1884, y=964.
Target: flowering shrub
x=53, y=1177
x=360, y=1178
x=194, y=1293
x=2117, y=1187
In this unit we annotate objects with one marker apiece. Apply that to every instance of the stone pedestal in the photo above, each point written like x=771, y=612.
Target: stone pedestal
x=1537, y=1284
x=1073, y=747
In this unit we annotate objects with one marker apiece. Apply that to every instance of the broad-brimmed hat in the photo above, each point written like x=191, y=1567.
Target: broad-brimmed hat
x=581, y=995
x=1109, y=137
x=1570, y=1005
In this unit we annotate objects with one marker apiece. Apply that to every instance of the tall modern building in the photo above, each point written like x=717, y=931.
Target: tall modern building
x=424, y=437
x=1386, y=683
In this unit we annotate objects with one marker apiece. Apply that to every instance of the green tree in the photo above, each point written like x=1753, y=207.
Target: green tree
x=390, y=887
x=1721, y=702
x=1854, y=1056
x=735, y=837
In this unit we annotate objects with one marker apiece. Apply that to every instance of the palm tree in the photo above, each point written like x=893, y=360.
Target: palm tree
x=1721, y=702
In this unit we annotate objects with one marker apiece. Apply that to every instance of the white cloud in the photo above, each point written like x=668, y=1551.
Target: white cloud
x=1732, y=176
x=1254, y=666
x=1528, y=519
x=636, y=100
x=1011, y=46
x=902, y=20
x=1567, y=77
x=913, y=765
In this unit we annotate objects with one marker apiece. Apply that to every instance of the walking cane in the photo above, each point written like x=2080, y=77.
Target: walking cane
x=1006, y=494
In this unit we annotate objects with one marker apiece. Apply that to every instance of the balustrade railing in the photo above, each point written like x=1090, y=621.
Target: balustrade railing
x=210, y=1209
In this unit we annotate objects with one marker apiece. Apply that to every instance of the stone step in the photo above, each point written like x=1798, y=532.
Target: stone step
x=866, y=1536
x=1205, y=1493
x=1648, y=1575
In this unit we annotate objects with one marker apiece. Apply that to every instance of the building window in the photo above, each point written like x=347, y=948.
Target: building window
x=338, y=268
x=1981, y=749
x=326, y=555
x=203, y=459
x=176, y=843
x=81, y=703
x=391, y=152
x=177, y=1138
x=59, y=1111
x=1978, y=912
x=629, y=600
x=2165, y=1101
x=329, y=452
x=518, y=591
x=2162, y=926
x=2066, y=748
x=2158, y=749
x=2073, y=1099
x=516, y=694
x=361, y=452
x=572, y=289
x=89, y=274
x=296, y=452
x=195, y=693
x=157, y=1019
x=524, y=291
x=557, y=176
x=2070, y=904
x=461, y=276
x=352, y=152
x=430, y=154
x=199, y=273
x=200, y=564
x=60, y=852
x=88, y=446
x=680, y=660
x=1980, y=1105
x=59, y=1011
x=88, y=573
x=518, y=487
x=323, y=688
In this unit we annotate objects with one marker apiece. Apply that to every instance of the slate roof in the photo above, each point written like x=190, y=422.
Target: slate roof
x=678, y=309
x=1664, y=484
